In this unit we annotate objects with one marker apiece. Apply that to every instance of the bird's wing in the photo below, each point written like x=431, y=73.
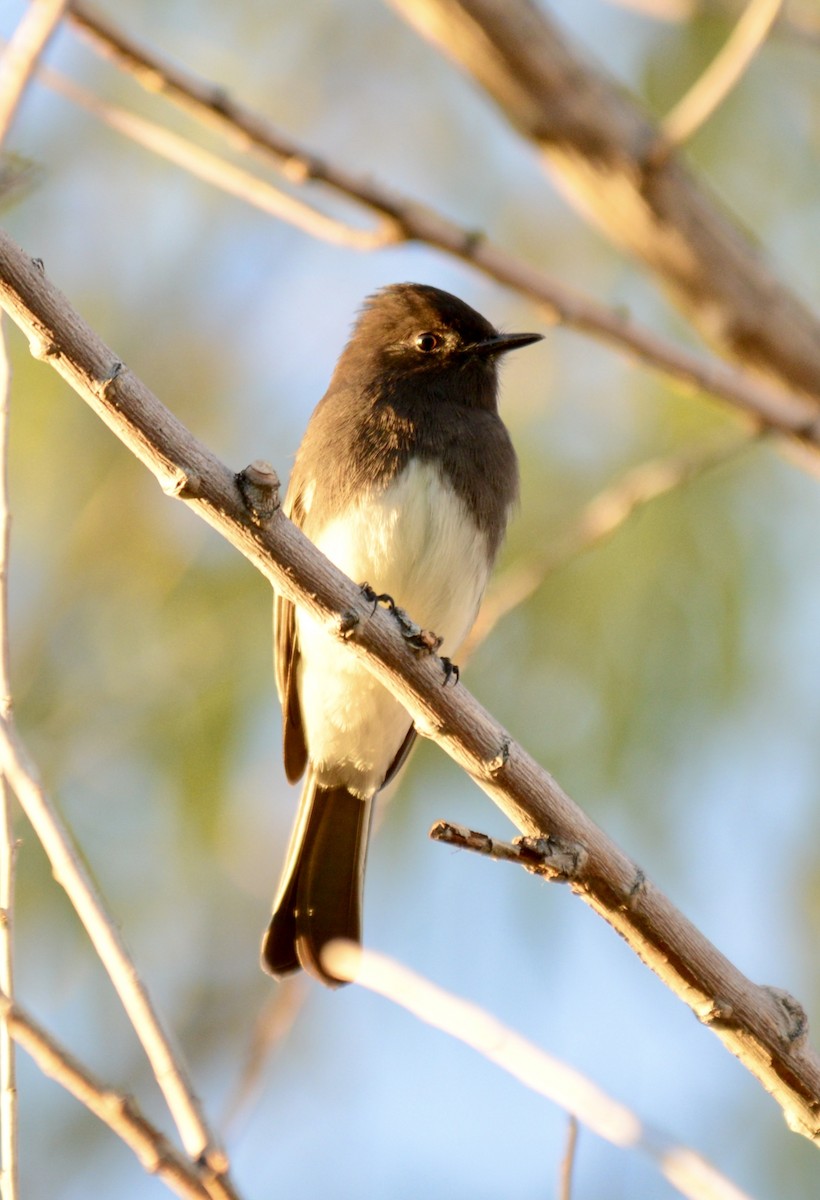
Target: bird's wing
x=286, y=662
x=401, y=755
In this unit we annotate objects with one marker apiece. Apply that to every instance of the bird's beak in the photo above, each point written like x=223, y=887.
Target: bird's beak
x=502, y=342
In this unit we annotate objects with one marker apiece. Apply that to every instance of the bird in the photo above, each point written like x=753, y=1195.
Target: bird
x=405, y=479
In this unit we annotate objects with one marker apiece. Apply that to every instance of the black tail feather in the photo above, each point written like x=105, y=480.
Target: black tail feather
x=320, y=896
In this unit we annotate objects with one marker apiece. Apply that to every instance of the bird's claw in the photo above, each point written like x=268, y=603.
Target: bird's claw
x=450, y=669
x=376, y=598
x=423, y=641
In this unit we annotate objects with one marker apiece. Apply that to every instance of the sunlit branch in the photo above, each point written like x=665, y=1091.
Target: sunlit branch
x=71, y=874
x=723, y=73
x=17, y=65
x=30, y=39
x=686, y=1170
x=9, y=1114
x=568, y=1161
x=222, y=174
x=119, y=1112
x=798, y=19
x=609, y=159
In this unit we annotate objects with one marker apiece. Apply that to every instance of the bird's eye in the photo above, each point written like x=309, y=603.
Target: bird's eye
x=426, y=343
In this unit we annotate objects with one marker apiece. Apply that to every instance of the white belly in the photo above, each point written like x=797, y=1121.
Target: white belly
x=416, y=542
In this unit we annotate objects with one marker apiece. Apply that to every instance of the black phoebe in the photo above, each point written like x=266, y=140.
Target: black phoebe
x=405, y=479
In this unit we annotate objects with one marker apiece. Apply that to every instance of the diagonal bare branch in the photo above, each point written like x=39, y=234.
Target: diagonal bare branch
x=72, y=875
x=222, y=174
x=687, y=1171
x=17, y=65
x=610, y=157
x=799, y=20
x=765, y=1028
x=20, y=58
x=9, y=1166
x=119, y=1112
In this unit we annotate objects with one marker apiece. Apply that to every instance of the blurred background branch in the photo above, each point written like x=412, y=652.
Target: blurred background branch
x=8, y=847
x=119, y=1112
x=724, y=72
x=598, y=519
x=601, y=146
x=20, y=56
x=690, y=1175
x=799, y=19
x=403, y=217
x=71, y=874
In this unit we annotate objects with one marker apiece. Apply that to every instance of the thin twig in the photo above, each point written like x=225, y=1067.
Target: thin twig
x=9, y=1115
x=70, y=873
x=723, y=73
x=119, y=1112
x=568, y=1161
x=550, y=857
x=30, y=39
x=598, y=520
x=685, y=1169
x=766, y=1029
x=222, y=174
x=800, y=22
x=766, y=402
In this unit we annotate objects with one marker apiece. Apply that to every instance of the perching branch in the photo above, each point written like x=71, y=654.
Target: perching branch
x=765, y=403
x=766, y=1029
x=615, y=163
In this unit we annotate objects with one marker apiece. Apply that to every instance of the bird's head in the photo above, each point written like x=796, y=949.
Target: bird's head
x=416, y=336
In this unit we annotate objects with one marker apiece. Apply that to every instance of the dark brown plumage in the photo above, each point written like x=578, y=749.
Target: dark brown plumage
x=405, y=478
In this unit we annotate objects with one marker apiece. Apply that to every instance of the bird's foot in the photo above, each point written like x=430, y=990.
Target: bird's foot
x=423, y=641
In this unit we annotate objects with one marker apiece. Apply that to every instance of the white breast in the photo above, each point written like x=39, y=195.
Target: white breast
x=417, y=542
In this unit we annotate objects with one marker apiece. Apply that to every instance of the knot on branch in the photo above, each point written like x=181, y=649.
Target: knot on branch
x=792, y=1021
x=259, y=487
x=499, y=761
x=554, y=858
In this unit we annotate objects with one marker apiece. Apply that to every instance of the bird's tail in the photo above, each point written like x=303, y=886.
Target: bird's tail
x=320, y=893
